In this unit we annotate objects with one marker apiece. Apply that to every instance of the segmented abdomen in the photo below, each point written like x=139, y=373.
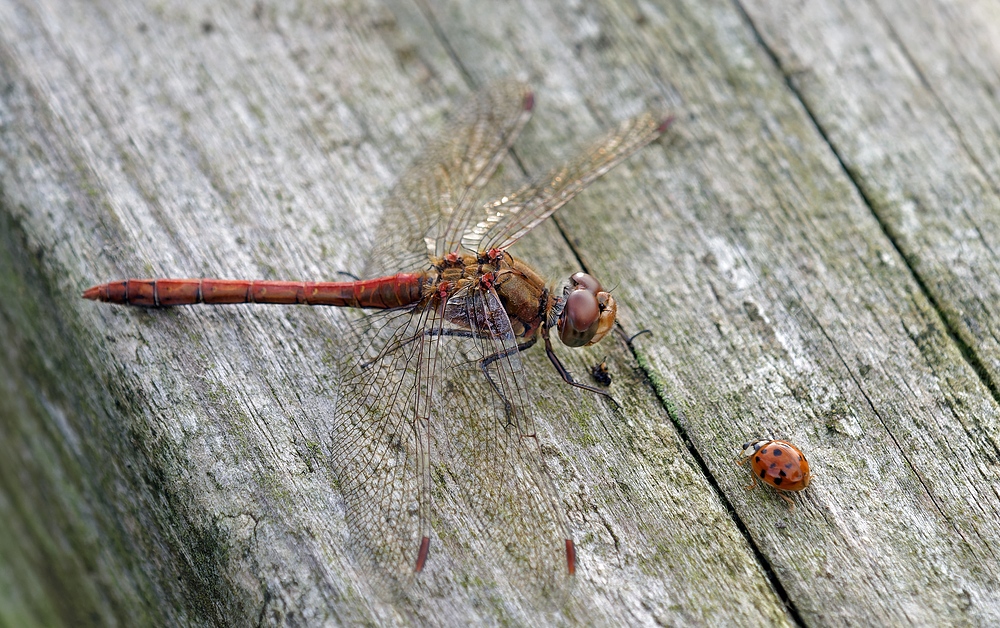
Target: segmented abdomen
x=381, y=293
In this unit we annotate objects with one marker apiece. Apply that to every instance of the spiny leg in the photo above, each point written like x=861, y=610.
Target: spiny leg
x=485, y=363
x=399, y=344
x=564, y=373
x=464, y=333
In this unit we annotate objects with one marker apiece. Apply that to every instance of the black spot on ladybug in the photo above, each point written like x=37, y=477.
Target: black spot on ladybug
x=777, y=452
x=763, y=451
x=756, y=459
x=773, y=465
x=762, y=472
x=777, y=481
x=801, y=458
x=789, y=465
x=781, y=473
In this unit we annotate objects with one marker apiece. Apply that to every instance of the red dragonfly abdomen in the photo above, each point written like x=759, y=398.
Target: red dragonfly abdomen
x=381, y=293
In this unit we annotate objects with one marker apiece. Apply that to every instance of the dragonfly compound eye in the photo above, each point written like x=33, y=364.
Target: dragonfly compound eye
x=587, y=282
x=587, y=317
x=580, y=318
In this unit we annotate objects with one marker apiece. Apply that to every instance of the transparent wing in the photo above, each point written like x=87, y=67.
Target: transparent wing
x=380, y=443
x=500, y=456
x=417, y=406
x=508, y=218
x=426, y=212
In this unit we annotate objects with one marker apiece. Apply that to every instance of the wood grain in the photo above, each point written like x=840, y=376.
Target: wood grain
x=813, y=247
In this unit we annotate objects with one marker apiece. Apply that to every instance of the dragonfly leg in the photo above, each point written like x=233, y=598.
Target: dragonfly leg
x=549, y=351
x=399, y=344
x=462, y=333
x=484, y=364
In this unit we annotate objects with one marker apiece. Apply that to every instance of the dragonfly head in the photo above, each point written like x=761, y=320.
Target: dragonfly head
x=588, y=312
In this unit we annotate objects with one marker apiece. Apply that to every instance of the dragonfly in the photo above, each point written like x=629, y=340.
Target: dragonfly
x=440, y=274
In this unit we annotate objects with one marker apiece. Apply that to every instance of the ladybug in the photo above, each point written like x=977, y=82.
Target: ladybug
x=779, y=463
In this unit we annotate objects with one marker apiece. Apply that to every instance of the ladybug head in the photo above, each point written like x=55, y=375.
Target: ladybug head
x=750, y=448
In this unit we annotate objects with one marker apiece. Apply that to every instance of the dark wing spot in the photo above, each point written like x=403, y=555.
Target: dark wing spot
x=756, y=459
x=789, y=465
x=781, y=473
x=801, y=458
x=763, y=451
x=762, y=473
x=777, y=481
x=777, y=451
x=772, y=465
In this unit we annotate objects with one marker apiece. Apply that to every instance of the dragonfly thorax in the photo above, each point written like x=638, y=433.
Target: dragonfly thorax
x=520, y=290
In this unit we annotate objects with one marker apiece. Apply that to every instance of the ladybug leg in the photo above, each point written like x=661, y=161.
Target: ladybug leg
x=791, y=504
x=740, y=462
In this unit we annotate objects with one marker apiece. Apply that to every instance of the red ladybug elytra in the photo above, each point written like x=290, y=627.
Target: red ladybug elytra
x=778, y=463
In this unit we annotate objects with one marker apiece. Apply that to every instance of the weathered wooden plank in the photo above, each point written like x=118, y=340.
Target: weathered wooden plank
x=184, y=479
x=907, y=99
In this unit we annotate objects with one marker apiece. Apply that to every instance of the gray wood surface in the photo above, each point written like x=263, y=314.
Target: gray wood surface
x=814, y=247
